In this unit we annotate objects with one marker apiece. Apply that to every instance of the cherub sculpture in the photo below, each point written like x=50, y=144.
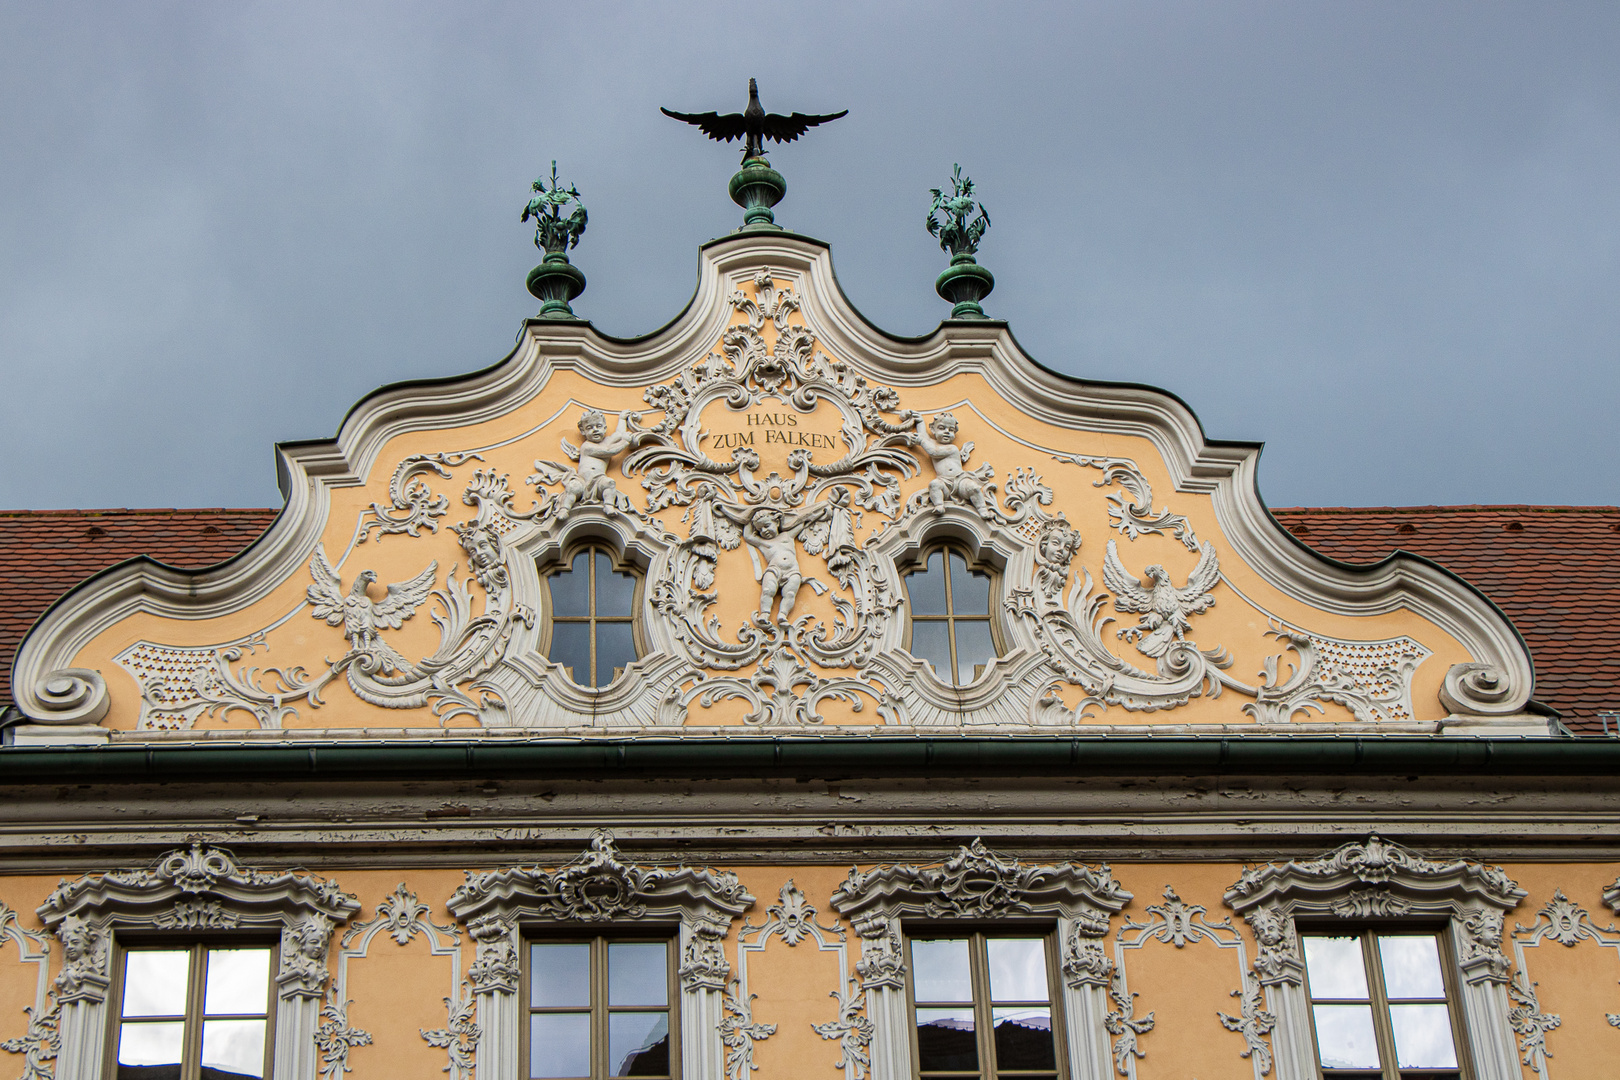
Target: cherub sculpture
x=360, y=618
x=590, y=482
x=1055, y=550
x=776, y=566
x=952, y=480
x=1164, y=608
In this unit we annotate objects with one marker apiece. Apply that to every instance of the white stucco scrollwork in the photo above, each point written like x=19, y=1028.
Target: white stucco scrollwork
x=600, y=890
x=88, y=913
x=978, y=884
x=1379, y=879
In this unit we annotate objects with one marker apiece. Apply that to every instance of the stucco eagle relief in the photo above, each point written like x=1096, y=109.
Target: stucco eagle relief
x=773, y=469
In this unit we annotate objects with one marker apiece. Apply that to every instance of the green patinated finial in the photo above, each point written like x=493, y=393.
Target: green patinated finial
x=964, y=283
x=555, y=281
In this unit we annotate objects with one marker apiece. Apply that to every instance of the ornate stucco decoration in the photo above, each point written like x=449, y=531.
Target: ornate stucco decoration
x=599, y=889
x=1560, y=921
x=671, y=490
x=197, y=887
x=1379, y=879
x=40, y=1042
x=978, y=884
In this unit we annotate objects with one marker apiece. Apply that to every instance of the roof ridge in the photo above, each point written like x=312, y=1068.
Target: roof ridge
x=1463, y=508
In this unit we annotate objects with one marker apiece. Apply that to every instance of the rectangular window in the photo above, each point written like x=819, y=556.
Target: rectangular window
x=197, y=1012
x=601, y=1008
x=1381, y=1006
x=983, y=1007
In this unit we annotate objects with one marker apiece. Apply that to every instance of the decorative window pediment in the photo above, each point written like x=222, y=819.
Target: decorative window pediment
x=1381, y=882
x=599, y=888
x=199, y=887
x=979, y=885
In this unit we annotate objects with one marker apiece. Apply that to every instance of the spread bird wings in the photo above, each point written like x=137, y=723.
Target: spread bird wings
x=1203, y=578
x=326, y=594
x=404, y=598
x=717, y=127
x=789, y=128
x=1128, y=592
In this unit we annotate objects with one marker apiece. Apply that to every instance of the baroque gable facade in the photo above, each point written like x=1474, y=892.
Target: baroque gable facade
x=796, y=662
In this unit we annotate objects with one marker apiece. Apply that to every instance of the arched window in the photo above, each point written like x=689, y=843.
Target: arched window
x=592, y=616
x=951, y=628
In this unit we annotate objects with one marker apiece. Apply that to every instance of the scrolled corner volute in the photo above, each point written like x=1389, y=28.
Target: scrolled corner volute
x=1482, y=690
x=69, y=696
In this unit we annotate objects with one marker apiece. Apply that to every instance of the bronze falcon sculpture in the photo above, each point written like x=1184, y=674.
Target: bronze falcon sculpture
x=753, y=125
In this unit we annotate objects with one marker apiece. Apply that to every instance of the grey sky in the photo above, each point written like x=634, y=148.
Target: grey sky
x=1383, y=238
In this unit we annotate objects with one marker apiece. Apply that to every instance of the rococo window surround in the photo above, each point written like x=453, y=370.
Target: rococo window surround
x=200, y=888
x=1379, y=882
x=599, y=890
x=977, y=886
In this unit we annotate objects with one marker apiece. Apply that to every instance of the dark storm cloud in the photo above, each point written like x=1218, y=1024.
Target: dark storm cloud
x=1385, y=239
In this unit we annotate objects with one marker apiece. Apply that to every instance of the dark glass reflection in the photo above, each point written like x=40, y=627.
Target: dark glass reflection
x=638, y=1043
x=615, y=648
x=1024, y=1039
x=946, y=1040
x=970, y=591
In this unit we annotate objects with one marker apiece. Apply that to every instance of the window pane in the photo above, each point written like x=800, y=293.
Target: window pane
x=1344, y=1036
x=615, y=592
x=1411, y=966
x=970, y=592
x=638, y=973
x=571, y=647
x=974, y=648
x=151, y=1044
x=615, y=649
x=238, y=981
x=939, y=971
x=155, y=982
x=1017, y=969
x=945, y=1040
x=559, y=1045
x=931, y=641
x=234, y=1047
x=1023, y=1039
x=570, y=589
x=1334, y=967
x=559, y=976
x=638, y=1043
x=926, y=587
x=1422, y=1037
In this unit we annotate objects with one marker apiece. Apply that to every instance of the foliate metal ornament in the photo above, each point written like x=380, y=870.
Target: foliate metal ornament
x=555, y=281
x=950, y=219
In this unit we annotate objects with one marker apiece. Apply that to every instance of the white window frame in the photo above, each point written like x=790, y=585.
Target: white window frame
x=1375, y=882
x=976, y=886
x=186, y=890
x=597, y=891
